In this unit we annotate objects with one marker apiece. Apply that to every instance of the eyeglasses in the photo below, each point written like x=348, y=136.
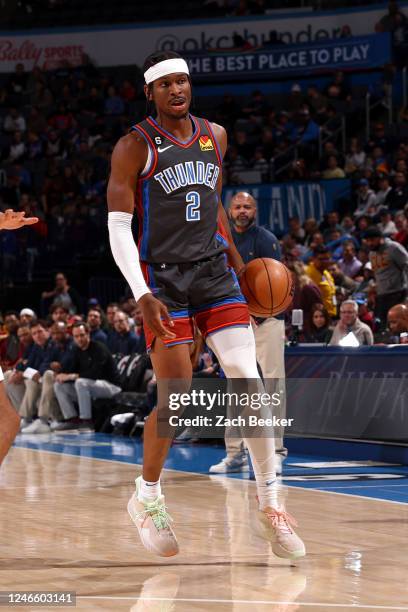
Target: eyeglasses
x=347, y=311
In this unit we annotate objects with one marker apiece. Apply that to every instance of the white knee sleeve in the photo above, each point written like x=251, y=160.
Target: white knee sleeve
x=235, y=351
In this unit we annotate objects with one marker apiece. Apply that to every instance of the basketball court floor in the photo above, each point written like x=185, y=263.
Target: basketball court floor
x=64, y=527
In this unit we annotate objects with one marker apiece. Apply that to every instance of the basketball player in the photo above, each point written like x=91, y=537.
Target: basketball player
x=169, y=169
x=9, y=419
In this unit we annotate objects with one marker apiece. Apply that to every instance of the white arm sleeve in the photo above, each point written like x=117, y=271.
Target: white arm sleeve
x=125, y=253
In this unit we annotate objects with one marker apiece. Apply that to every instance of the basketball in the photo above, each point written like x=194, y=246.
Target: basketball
x=268, y=287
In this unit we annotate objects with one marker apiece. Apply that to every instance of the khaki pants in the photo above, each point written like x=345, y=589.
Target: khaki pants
x=270, y=355
x=30, y=398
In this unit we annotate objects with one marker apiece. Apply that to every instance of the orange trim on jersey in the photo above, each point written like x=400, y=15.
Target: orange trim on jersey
x=172, y=138
x=154, y=151
x=217, y=147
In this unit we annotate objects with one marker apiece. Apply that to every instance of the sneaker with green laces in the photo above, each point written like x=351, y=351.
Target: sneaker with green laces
x=153, y=524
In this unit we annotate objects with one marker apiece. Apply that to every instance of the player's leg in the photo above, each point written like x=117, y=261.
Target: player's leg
x=270, y=355
x=9, y=421
x=146, y=507
x=236, y=352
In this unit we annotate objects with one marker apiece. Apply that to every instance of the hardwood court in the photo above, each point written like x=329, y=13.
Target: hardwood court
x=64, y=526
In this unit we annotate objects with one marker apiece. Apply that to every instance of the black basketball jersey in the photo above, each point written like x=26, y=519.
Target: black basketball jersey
x=176, y=195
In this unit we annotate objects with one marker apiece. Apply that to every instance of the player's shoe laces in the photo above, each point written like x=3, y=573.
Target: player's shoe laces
x=153, y=523
x=276, y=526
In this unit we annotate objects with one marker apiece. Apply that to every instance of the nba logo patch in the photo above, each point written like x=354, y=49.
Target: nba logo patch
x=206, y=143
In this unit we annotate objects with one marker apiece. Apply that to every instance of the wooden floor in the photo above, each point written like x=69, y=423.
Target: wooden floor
x=64, y=526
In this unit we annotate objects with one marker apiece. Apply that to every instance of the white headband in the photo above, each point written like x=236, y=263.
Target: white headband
x=169, y=66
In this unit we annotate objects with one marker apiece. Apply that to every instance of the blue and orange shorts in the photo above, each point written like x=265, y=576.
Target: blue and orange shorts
x=206, y=292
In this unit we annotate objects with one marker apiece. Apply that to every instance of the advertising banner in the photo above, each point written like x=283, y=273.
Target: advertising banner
x=130, y=44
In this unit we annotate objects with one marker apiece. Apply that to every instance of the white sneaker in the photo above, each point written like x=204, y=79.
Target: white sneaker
x=237, y=464
x=24, y=423
x=275, y=525
x=38, y=426
x=153, y=524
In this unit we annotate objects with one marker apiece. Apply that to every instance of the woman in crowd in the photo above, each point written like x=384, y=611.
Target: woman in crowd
x=317, y=328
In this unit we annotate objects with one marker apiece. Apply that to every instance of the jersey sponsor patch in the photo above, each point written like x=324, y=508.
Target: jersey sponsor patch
x=206, y=144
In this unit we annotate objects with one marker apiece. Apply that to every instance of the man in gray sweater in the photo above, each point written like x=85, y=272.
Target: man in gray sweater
x=389, y=261
x=349, y=322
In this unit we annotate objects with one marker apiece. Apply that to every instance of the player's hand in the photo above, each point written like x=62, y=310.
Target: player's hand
x=11, y=220
x=153, y=312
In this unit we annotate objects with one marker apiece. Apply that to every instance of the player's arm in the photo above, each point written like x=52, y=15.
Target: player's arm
x=234, y=258
x=128, y=160
x=11, y=220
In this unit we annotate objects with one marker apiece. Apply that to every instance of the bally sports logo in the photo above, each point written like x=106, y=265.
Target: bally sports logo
x=206, y=143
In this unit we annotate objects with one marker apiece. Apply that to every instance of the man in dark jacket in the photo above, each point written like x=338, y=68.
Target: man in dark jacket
x=123, y=341
x=90, y=374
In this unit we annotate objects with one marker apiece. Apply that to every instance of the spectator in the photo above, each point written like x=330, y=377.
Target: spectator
x=14, y=121
x=390, y=21
x=366, y=199
x=317, y=325
x=306, y=294
x=319, y=274
x=296, y=231
x=349, y=264
x=356, y=157
x=59, y=314
x=310, y=227
x=26, y=341
x=397, y=198
x=333, y=171
x=397, y=320
x=384, y=189
x=341, y=280
x=386, y=224
x=17, y=82
x=24, y=385
x=306, y=131
x=27, y=316
x=17, y=149
x=123, y=341
x=91, y=374
x=389, y=262
x=330, y=225
x=63, y=295
x=350, y=323
x=401, y=224
x=35, y=146
x=94, y=321
x=10, y=351
x=114, y=105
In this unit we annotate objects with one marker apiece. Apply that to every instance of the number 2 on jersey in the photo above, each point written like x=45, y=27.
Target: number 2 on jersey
x=193, y=206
